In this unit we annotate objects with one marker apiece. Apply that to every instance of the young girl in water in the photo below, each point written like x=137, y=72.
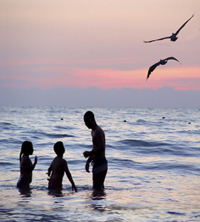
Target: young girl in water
x=26, y=166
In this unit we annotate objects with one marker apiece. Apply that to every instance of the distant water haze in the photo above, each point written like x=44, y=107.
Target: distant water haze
x=165, y=97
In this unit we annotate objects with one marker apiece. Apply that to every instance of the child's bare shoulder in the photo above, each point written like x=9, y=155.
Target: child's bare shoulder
x=61, y=161
x=25, y=159
x=64, y=161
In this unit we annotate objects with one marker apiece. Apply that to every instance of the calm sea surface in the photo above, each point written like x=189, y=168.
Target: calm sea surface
x=153, y=157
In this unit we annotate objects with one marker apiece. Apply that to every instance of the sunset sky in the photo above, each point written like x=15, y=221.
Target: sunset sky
x=90, y=43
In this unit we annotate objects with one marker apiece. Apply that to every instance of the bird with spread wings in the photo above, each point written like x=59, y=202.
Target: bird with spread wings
x=161, y=62
x=173, y=37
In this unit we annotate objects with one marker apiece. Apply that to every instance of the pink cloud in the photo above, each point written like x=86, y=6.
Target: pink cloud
x=56, y=73
x=184, y=78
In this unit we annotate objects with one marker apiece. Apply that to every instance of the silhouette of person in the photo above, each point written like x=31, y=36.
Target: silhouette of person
x=26, y=166
x=57, y=169
x=97, y=154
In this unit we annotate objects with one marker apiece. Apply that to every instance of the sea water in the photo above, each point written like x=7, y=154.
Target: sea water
x=153, y=159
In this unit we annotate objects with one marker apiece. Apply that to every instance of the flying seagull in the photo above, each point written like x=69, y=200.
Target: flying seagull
x=161, y=62
x=173, y=37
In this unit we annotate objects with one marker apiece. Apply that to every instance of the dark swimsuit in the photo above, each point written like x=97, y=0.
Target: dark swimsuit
x=55, y=184
x=99, y=165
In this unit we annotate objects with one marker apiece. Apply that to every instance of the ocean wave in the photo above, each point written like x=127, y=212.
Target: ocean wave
x=185, y=168
x=3, y=164
x=5, y=124
x=142, y=143
x=41, y=134
x=190, y=132
x=159, y=148
x=13, y=141
x=140, y=121
x=181, y=167
x=64, y=127
x=59, y=135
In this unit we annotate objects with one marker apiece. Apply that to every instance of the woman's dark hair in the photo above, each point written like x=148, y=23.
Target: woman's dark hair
x=27, y=148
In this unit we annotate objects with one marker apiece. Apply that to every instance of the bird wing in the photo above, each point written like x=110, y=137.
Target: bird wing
x=183, y=25
x=152, y=68
x=157, y=39
x=172, y=58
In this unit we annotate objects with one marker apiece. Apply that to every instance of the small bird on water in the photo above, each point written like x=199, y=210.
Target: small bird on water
x=161, y=62
x=173, y=37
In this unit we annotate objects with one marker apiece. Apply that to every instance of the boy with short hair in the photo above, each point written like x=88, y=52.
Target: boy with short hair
x=57, y=169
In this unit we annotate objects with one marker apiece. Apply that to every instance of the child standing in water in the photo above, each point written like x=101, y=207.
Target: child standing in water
x=26, y=166
x=57, y=169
